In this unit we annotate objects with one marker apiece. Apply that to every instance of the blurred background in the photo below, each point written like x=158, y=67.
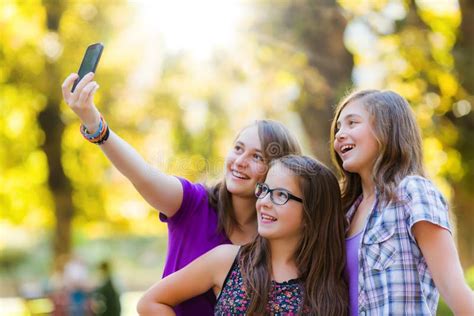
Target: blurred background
x=177, y=80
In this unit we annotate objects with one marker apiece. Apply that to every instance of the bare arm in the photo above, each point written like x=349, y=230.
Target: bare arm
x=439, y=250
x=204, y=273
x=161, y=191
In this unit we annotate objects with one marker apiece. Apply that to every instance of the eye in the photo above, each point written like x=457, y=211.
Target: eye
x=280, y=194
x=261, y=190
x=352, y=123
x=238, y=148
x=258, y=157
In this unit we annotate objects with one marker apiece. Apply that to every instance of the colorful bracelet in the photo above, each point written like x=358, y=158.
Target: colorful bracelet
x=100, y=136
x=97, y=133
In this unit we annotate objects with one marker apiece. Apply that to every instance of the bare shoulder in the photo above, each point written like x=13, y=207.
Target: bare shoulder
x=224, y=253
x=222, y=257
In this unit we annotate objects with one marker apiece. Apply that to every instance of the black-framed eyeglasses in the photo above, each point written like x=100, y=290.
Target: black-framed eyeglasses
x=278, y=196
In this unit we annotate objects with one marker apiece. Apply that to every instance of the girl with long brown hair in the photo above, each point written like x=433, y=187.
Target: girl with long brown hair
x=294, y=266
x=199, y=218
x=400, y=250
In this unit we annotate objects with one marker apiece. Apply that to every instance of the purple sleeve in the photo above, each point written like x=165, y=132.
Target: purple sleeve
x=192, y=231
x=192, y=196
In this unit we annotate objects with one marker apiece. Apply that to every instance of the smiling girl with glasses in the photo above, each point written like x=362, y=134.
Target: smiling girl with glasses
x=199, y=218
x=294, y=266
x=279, y=196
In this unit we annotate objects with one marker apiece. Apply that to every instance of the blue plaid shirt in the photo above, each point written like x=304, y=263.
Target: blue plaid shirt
x=393, y=275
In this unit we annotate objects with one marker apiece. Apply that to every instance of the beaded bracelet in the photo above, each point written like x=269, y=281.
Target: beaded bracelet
x=100, y=136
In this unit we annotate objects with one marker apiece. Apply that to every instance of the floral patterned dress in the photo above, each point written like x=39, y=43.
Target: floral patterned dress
x=285, y=298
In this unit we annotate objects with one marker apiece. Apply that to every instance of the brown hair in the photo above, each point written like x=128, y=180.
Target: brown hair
x=399, y=139
x=276, y=141
x=320, y=254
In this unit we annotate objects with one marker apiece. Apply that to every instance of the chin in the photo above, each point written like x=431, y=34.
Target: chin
x=241, y=192
x=264, y=233
x=349, y=167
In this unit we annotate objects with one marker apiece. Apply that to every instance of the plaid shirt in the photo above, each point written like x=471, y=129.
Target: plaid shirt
x=393, y=275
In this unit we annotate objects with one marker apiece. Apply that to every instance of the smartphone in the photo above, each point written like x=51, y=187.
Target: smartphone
x=89, y=62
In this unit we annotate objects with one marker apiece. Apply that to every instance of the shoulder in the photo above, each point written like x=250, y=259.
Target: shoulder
x=422, y=201
x=224, y=253
x=415, y=181
x=221, y=259
x=416, y=187
x=190, y=188
x=194, y=201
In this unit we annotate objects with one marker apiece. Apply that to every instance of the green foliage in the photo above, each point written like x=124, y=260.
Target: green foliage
x=181, y=115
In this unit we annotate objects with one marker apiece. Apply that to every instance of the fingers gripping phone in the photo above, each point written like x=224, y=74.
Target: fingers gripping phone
x=89, y=62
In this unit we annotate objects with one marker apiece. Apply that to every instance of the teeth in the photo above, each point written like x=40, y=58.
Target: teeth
x=268, y=217
x=346, y=148
x=239, y=175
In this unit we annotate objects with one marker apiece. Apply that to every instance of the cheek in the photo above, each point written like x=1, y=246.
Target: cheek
x=260, y=171
x=229, y=159
x=298, y=215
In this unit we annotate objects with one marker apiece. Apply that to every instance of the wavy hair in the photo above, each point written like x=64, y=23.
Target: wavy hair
x=320, y=254
x=399, y=140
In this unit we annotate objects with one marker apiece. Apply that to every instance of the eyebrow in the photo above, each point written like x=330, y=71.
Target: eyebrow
x=242, y=144
x=338, y=123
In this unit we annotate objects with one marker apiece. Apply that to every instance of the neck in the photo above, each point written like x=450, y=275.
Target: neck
x=245, y=215
x=282, y=259
x=283, y=250
x=244, y=208
x=368, y=187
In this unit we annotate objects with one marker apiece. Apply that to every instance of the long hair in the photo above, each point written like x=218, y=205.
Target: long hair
x=399, y=140
x=276, y=141
x=320, y=254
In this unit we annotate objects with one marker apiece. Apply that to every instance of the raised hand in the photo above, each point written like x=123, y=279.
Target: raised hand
x=81, y=101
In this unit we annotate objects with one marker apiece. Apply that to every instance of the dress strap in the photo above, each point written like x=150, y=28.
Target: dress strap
x=234, y=264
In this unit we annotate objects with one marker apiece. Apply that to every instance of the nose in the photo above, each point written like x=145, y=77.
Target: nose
x=266, y=201
x=340, y=134
x=241, y=160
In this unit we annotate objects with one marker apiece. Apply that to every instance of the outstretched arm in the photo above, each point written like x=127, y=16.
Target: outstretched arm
x=161, y=191
x=439, y=250
x=204, y=273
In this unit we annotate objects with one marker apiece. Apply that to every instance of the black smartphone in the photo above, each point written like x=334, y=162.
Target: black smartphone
x=89, y=62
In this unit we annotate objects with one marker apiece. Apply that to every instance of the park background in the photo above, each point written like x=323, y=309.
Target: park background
x=177, y=80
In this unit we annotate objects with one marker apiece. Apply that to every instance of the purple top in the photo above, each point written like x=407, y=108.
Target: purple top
x=351, y=271
x=192, y=231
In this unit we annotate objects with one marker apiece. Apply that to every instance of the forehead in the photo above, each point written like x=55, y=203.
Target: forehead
x=354, y=108
x=250, y=138
x=282, y=177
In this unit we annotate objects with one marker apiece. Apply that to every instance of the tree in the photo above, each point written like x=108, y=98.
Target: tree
x=313, y=30
x=34, y=64
x=53, y=126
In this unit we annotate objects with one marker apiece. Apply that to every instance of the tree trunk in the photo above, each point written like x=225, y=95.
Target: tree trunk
x=53, y=127
x=324, y=40
x=315, y=28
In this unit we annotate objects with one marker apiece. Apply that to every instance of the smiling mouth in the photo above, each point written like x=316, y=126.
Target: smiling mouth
x=346, y=148
x=239, y=175
x=266, y=217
